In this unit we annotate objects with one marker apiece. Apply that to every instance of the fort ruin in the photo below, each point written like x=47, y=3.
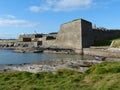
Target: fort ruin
x=75, y=35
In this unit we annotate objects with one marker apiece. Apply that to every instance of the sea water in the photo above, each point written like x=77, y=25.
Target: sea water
x=11, y=57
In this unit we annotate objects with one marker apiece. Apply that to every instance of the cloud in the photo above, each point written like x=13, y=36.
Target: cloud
x=68, y=5
x=34, y=8
x=10, y=16
x=61, y=5
x=13, y=22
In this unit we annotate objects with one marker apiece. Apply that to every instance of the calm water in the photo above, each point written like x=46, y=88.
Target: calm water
x=11, y=57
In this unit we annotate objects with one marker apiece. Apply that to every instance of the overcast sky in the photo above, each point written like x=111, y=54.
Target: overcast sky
x=45, y=16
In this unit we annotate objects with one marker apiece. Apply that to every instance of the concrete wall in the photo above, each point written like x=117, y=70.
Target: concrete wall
x=22, y=44
x=30, y=36
x=69, y=35
x=108, y=34
x=47, y=43
x=101, y=53
x=76, y=34
x=87, y=34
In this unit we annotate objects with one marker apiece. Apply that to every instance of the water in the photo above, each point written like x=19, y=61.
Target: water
x=11, y=57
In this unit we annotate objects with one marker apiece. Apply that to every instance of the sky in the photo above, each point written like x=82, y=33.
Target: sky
x=45, y=16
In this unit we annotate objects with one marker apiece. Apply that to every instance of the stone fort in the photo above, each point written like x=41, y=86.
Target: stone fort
x=76, y=35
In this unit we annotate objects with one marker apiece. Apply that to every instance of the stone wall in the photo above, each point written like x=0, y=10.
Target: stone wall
x=69, y=35
x=7, y=43
x=87, y=34
x=49, y=43
x=108, y=34
x=24, y=44
x=25, y=37
x=76, y=34
x=101, y=53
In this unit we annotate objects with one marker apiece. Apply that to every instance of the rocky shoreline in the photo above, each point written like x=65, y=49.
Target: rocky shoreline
x=53, y=65
x=50, y=66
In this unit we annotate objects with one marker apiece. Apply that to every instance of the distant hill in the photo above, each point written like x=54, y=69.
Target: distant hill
x=7, y=39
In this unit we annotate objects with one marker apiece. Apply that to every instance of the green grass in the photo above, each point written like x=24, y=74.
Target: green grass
x=105, y=42
x=105, y=67
x=116, y=44
x=104, y=76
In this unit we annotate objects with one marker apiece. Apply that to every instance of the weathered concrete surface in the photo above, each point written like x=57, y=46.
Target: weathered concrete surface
x=87, y=34
x=107, y=34
x=69, y=35
x=76, y=34
x=101, y=53
x=29, y=37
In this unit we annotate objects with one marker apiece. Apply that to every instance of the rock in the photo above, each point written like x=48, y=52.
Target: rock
x=50, y=66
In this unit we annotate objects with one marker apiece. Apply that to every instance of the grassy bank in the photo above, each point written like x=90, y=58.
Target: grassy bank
x=105, y=76
x=116, y=44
